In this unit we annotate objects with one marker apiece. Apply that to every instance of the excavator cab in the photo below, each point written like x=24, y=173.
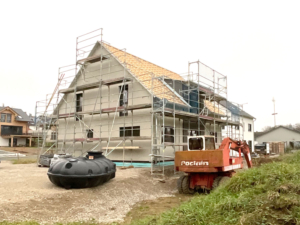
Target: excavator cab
x=196, y=143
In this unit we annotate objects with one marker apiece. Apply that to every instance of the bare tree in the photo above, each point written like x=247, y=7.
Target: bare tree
x=266, y=128
x=297, y=126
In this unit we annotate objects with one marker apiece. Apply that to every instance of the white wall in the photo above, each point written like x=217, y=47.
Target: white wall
x=248, y=135
x=279, y=134
x=4, y=142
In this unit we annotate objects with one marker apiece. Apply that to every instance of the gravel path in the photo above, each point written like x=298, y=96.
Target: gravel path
x=27, y=194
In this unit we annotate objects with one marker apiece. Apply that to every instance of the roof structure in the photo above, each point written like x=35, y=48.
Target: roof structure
x=22, y=116
x=144, y=71
x=258, y=134
x=235, y=110
x=213, y=107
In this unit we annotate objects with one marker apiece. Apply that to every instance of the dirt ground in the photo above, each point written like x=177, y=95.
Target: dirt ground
x=27, y=194
x=23, y=150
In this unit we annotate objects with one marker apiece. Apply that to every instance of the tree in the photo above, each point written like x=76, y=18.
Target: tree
x=297, y=126
x=266, y=128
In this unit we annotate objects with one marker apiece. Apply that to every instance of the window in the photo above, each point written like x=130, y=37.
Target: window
x=53, y=135
x=79, y=117
x=6, y=117
x=169, y=135
x=130, y=131
x=3, y=117
x=90, y=133
x=209, y=143
x=10, y=130
x=196, y=143
x=123, y=99
x=79, y=100
x=249, y=127
x=214, y=134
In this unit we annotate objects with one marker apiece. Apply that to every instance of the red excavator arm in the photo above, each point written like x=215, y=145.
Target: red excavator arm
x=238, y=146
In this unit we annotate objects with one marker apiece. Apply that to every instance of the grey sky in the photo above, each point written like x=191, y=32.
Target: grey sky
x=254, y=43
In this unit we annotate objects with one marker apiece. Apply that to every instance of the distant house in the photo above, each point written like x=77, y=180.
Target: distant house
x=14, y=125
x=246, y=129
x=291, y=137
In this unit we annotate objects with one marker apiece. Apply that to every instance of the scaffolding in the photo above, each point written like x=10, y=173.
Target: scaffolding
x=110, y=101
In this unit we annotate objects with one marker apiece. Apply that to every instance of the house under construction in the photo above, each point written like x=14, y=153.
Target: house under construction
x=132, y=110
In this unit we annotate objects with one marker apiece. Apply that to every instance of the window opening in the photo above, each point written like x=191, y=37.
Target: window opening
x=249, y=127
x=196, y=143
x=209, y=143
x=90, y=133
x=8, y=118
x=169, y=135
x=3, y=117
x=79, y=101
x=130, y=131
x=123, y=99
x=53, y=135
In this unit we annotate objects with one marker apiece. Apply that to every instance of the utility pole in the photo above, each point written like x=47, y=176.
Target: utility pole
x=274, y=114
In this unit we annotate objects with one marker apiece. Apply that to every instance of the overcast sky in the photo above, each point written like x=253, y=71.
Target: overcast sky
x=254, y=43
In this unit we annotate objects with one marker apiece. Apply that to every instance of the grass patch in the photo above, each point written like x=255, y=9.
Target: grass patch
x=268, y=194
x=23, y=161
x=91, y=222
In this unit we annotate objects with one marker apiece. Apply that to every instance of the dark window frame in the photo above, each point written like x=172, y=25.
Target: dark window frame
x=168, y=135
x=11, y=130
x=8, y=115
x=121, y=89
x=53, y=135
x=90, y=133
x=249, y=127
x=79, y=102
x=134, y=131
x=3, y=115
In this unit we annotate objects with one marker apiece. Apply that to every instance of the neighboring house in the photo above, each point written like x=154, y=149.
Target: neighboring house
x=14, y=127
x=246, y=129
x=130, y=108
x=39, y=124
x=291, y=137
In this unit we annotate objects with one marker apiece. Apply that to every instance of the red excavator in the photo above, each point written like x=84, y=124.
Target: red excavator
x=207, y=167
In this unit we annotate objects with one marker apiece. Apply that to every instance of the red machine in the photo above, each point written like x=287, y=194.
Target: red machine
x=207, y=167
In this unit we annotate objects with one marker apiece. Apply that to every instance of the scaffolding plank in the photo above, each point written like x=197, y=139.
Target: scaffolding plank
x=95, y=85
x=91, y=59
x=183, y=114
x=174, y=144
x=107, y=110
x=136, y=138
